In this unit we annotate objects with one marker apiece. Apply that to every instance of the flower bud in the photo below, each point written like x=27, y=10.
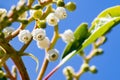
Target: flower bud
x=60, y=3
x=24, y=36
x=71, y=6
x=68, y=70
x=38, y=34
x=93, y=69
x=99, y=52
x=36, y=14
x=67, y=36
x=85, y=67
x=52, y=55
x=43, y=43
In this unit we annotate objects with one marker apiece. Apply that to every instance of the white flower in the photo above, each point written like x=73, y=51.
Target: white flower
x=23, y=15
x=43, y=43
x=52, y=55
x=24, y=36
x=7, y=31
x=67, y=36
x=38, y=34
x=60, y=12
x=52, y=20
x=36, y=13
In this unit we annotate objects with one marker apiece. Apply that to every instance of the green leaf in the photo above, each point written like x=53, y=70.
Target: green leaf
x=34, y=58
x=80, y=34
x=100, y=26
x=96, y=34
x=101, y=31
x=109, y=12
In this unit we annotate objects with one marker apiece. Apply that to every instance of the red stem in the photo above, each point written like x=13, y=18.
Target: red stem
x=52, y=72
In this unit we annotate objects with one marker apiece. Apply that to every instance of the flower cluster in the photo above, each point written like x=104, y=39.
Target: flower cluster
x=53, y=18
x=42, y=14
x=38, y=35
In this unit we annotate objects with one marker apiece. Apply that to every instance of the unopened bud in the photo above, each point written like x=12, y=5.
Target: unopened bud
x=93, y=69
x=68, y=70
x=60, y=3
x=71, y=6
x=85, y=67
x=99, y=52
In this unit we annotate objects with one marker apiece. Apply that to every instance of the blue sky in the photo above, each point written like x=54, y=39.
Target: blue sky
x=108, y=64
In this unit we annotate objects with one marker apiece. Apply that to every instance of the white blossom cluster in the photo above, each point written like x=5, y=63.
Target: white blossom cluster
x=38, y=35
x=53, y=18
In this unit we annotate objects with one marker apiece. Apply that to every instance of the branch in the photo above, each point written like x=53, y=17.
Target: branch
x=8, y=72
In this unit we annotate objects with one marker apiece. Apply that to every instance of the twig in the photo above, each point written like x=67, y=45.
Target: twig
x=43, y=69
x=8, y=72
x=93, y=52
x=16, y=59
x=24, y=47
